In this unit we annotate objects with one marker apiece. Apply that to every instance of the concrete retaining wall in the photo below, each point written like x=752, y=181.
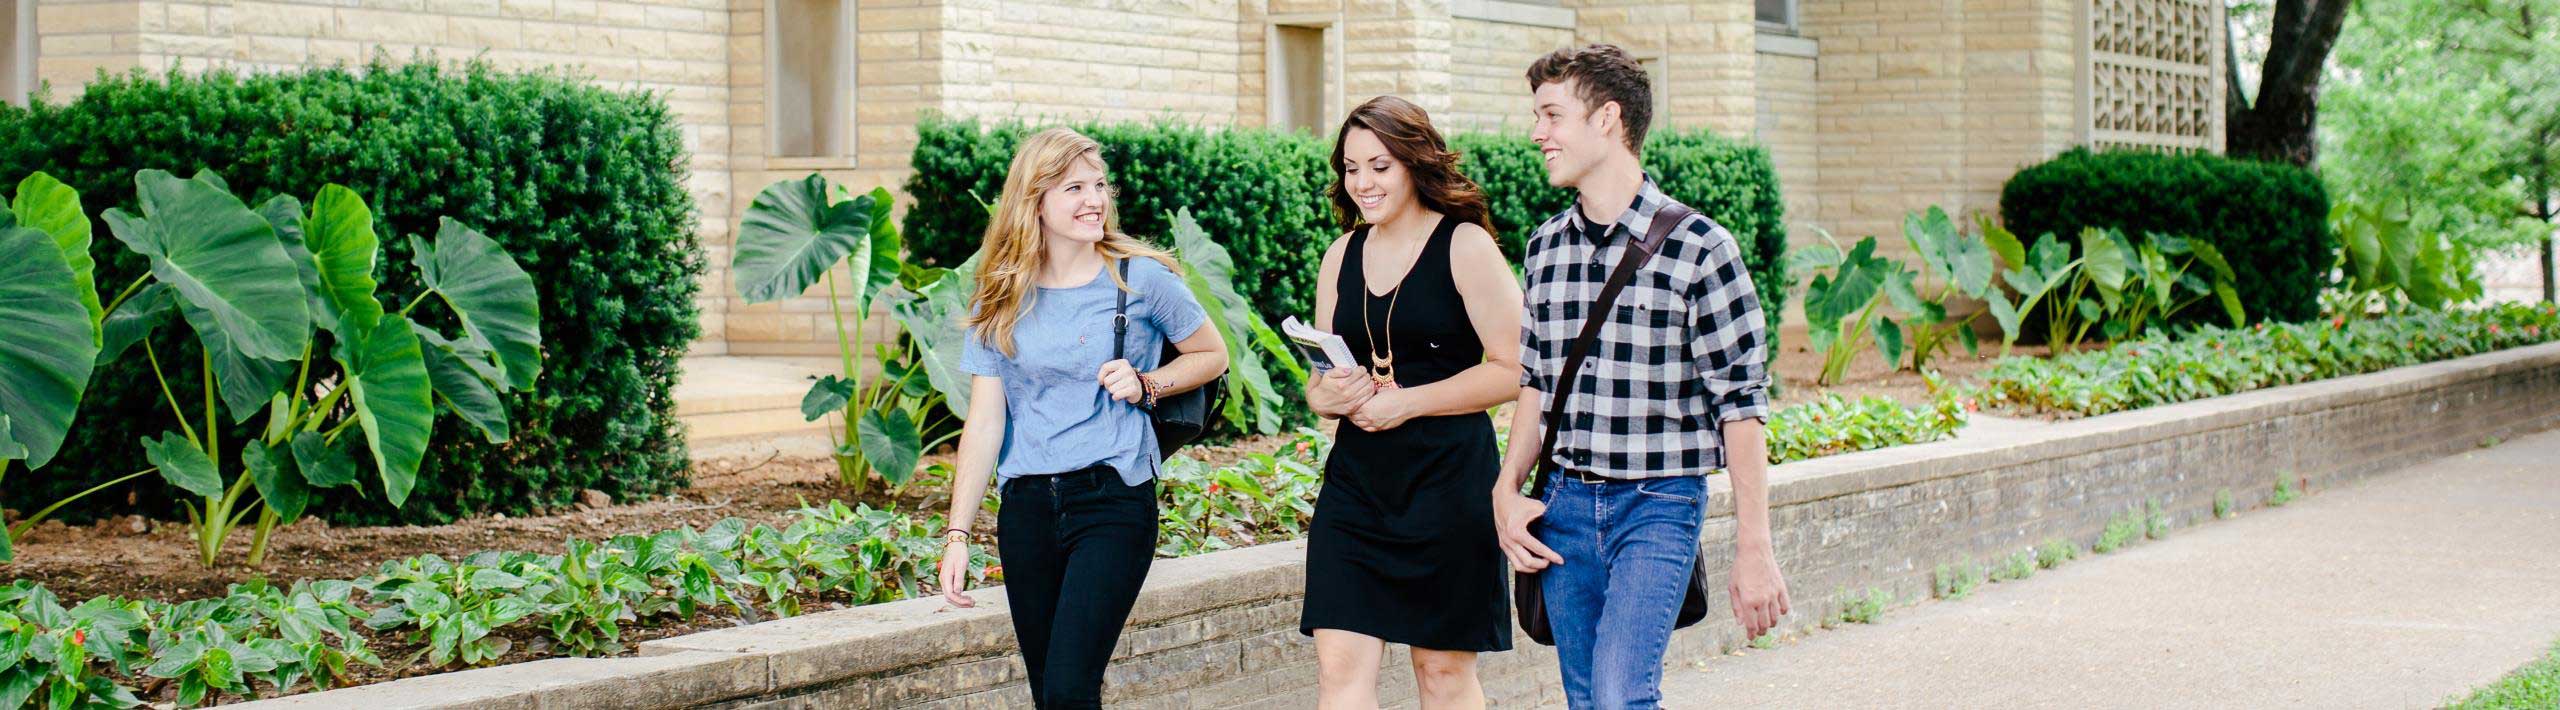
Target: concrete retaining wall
x=1220, y=630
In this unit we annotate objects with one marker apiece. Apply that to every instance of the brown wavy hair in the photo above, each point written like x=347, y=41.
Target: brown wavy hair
x=1406, y=130
x=1014, y=250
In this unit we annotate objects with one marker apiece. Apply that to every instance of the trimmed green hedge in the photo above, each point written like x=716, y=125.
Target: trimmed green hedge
x=584, y=186
x=2269, y=219
x=1261, y=194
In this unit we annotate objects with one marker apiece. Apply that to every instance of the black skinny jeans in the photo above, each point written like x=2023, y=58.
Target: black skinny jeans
x=1075, y=546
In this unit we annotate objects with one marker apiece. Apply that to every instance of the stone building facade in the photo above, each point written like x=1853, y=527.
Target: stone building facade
x=1871, y=107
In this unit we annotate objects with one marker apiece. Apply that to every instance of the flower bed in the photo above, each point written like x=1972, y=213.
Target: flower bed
x=430, y=612
x=2214, y=361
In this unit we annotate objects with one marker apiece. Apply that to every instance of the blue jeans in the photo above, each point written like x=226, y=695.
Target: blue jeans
x=1628, y=549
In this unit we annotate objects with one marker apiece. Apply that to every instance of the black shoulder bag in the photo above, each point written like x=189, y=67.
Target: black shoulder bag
x=1180, y=418
x=1527, y=595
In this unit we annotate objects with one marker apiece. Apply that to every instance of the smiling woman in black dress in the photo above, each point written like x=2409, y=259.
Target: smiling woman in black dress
x=1402, y=549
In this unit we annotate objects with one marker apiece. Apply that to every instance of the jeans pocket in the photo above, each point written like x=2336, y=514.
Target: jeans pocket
x=1684, y=489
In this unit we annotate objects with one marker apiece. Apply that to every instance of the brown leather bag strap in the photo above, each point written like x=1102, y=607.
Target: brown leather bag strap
x=1664, y=220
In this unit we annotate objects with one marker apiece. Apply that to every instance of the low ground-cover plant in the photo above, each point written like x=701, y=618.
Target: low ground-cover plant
x=263, y=640
x=2214, y=361
x=2121, y=530
x=2054, y=552
x=1835, y=425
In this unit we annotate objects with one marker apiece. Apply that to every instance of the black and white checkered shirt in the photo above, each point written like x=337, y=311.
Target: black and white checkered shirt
x=1683, y=351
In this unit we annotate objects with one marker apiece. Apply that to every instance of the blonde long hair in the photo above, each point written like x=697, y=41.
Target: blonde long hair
x=1016, y=253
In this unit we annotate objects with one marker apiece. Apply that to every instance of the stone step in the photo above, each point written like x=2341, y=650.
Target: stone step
x=735, y=405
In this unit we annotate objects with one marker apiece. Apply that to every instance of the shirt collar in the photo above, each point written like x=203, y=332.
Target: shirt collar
x=1637, y=217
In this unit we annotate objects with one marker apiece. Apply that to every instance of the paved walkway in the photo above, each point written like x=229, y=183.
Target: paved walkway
x=2396, y=592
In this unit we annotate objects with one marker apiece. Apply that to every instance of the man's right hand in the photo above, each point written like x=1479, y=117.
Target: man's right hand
x=1512, y=514
x=1340, y=391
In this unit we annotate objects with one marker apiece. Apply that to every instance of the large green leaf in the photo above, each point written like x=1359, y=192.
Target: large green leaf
x=467, y=382
x=10, y=449
x=887, y=247
x=1973, y=264
x=791, y=236
x=223, y=258
x=394, y=403
x=826, y=394
x=2104, y=260
x=47, y=205
x=1899, y=289
x=283, y=214
x=1889, y=341
x=1858, y=280
x=2011, y=251
x=246, y=382
x=48, y=344
x=323, y=465
x=277, y=477
x=1933, y=237
x=136, y=319
x=494, y=297
x=2359, y=246
x=933, y=315
x=184, y=465
x=891, y=443
x=2212, y=258
x=1211, y=276
x=339, y=234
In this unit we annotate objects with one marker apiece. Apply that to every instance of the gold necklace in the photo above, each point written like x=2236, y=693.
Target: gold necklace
x=1382, y=364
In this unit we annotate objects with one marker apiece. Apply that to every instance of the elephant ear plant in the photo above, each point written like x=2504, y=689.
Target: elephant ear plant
x=792, y=237
x=265, y=290
x=51, y=315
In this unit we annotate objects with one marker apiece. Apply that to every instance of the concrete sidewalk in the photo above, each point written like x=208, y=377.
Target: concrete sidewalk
x=2397, y=592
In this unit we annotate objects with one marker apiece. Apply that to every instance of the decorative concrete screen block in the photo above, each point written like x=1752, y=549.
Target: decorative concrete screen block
x=2153, y=74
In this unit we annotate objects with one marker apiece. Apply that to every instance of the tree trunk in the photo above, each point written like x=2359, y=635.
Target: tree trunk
x=2279, y=125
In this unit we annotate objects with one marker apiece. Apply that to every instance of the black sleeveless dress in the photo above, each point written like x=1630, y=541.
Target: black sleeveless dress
x=1402, y=546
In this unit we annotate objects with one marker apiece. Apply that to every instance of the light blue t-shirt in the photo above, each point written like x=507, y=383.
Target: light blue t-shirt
x=1058, y=418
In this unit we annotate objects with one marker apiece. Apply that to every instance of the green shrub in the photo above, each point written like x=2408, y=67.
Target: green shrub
x=2285, y=491
x=2271, y=220
x=2121, y=530
x=2222, y=503
x=2015, y=567
x=1261, y=194
x=2214, y=361
x=1866, y=609
x=2054, y=552
x=582, y=185
x=1957, y=581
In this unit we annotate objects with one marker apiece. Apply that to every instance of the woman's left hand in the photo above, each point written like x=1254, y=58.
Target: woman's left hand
x=1121, y=380
x=1387, y=409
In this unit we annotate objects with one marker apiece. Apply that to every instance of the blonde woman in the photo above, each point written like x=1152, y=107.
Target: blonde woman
x=1060, y=425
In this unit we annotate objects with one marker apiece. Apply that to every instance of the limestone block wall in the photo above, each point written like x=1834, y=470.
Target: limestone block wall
x=1488, y=84
x=1936, y=102
x=1786, y=122
x=1702, y=50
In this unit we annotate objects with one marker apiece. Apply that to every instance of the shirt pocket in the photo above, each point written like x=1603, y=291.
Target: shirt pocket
x=1642, y=353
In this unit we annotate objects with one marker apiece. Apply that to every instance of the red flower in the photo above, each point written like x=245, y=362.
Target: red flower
x=2493, y=329
x=1215, y=489
x=79, y=637
x=2338, y=322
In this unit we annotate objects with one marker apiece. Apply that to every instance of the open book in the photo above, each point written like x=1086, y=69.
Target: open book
x=1334, y=353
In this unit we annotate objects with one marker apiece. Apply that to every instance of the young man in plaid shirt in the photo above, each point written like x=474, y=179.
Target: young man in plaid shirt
x=1674, y=387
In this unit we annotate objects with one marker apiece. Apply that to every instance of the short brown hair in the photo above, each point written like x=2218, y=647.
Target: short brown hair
x=1602, y=73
